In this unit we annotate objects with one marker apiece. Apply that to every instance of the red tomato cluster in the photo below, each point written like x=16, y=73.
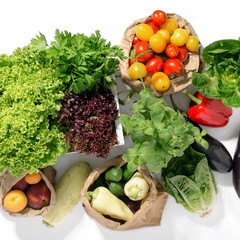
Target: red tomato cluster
x=161, y=48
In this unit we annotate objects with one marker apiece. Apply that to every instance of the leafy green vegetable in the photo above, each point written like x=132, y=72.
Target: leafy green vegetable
x=86, y=62
x=158, y=133
x=30, y=98
x=222, y=80
x=191, y=182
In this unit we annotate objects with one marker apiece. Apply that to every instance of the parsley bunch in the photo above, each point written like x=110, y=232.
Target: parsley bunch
x=158, y=133
x=87, y=63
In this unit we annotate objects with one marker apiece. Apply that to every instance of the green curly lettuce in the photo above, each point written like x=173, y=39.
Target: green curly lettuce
x=222, y=80
x=30, y=98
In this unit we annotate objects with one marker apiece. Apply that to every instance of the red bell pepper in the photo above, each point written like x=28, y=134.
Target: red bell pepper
x=208, y=112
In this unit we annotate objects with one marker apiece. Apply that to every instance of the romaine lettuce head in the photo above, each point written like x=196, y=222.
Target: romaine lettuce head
x=191, y=182
x=222, y=77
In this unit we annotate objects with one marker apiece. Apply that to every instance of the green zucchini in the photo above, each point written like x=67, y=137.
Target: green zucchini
x=68, y=192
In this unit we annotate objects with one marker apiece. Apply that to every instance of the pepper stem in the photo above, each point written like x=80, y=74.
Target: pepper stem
x=194, y=99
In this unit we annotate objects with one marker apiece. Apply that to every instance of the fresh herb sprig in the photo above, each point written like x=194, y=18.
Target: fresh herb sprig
x=87, y=63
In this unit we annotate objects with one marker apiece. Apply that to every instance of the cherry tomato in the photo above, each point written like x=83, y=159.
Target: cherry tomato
x=142, y=47
x=131, y=61
x=148, y=78
x=159, y=17
x=160, y=81
x=172, y=50
x=153, y=26
x=179, y=37
x=154, y=65
x=135, y=40
x=144, y=32
x=170, y=25
x=172, y=67
x=134, y=71
x=157, y=43
x=165, y=33
x=192, y=43
x=183, y=53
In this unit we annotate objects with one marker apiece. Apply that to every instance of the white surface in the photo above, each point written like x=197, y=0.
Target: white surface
x=212, y=20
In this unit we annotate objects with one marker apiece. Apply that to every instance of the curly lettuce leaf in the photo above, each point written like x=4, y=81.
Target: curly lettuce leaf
x=30, y=98
x=158, y=133
x=222, y=80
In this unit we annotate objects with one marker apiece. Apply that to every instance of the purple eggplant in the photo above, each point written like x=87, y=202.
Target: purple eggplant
x=236, y=168
x=219, y=159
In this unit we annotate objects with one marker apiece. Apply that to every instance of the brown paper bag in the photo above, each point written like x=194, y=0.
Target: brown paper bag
x=7, y=181
x=193, y=62
x=151, y=209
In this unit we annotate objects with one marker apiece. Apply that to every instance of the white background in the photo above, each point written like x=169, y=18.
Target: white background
x=213, y=20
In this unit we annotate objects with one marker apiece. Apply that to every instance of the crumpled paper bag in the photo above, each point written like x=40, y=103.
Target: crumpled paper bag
x=7, y=181
x=151, y=208
x=193, y=63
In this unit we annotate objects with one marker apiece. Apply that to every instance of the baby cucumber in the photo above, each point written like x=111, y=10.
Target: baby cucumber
x=116, y=188
x=114, y=174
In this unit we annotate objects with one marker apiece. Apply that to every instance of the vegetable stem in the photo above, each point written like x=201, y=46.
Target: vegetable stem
x=196, y=100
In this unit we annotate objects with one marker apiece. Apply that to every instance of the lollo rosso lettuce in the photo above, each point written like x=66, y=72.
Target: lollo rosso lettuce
x=191, y=182
x=222, y=77
x=30, y=98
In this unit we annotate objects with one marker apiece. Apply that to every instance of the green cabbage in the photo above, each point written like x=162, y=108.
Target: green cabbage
x=222, y=80
x=191, y=182
x=30, y=98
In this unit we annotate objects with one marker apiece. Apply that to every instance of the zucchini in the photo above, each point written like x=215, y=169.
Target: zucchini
x=68, y=192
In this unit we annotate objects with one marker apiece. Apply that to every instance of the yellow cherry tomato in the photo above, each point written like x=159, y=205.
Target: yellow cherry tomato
x=192, y=44
x=160, y=81
x=170, y=25
x=157, y=43
x=134, y=71
x=144, y=32
x=179, y=37
x=165, y=33
x=148, y=78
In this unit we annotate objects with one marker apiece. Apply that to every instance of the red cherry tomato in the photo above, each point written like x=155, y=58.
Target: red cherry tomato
x=159, y=17
x=183, y=53
x=142, y=47
x=153, y=26
x=154, y=65
x=172, y=50
x=135, y=40
x=131, y=61
x=172, y=67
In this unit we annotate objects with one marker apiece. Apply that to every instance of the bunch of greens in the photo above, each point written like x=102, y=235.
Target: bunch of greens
x=191, y=182
x=30, y=98
x=87, y=63
x=158, y=133
x=223, y=68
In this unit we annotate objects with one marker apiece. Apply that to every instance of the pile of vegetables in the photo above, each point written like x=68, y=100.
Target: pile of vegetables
x=30, y=98
x=161, y=48
x=117, y=193
x=88, y=110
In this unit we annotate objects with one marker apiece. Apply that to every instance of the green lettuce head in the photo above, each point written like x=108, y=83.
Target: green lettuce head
x=191, y=182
